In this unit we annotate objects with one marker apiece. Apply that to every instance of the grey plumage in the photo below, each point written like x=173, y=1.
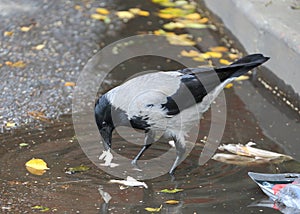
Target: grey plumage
x=166, y=102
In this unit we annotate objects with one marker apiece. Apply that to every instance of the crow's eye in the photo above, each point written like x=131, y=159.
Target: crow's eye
x=103, y=123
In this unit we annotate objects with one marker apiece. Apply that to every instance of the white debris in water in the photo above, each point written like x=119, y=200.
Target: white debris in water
x=130, y=181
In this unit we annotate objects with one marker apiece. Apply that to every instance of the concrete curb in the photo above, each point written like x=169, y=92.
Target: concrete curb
x=269, y=27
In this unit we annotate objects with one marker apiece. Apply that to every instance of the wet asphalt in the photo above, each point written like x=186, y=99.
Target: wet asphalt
x=53, y=40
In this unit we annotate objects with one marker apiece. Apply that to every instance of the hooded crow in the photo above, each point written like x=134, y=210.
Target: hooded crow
x=157, y=102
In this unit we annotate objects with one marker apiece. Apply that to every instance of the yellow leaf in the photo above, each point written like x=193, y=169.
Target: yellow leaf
x=35, y=171
x=181, y=39
x=224, y=62
x=125, y=14
x=175, y=12
x=173, y=25
x=199, y=59
x=150, y=209
x=70, y=83
x=18, y=64
x=102, y=11
x=164, y=3
x=98, y=16
x=77, y=7
x=172, y=202
x=191, y=53
x=233, y=56
x=203, y=20
x=10, y=124
x=25, y=28
x=143, y=13
x=193, y=16
x=39, y=47
x=171, y=191
x=214, y=54
x=165, y=16
x=219, y=49
x=40, y=208
x=38, y=164
x=134, y=10
x=242, y=78
x=229, y=85
x=8, y=33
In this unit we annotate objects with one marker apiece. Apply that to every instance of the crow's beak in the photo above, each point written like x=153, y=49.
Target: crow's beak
x=106, y=133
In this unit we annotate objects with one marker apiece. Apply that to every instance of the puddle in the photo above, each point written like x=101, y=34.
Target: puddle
x=215, y=187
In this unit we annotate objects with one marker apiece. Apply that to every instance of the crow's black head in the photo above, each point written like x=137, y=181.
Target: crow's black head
x=104, y=120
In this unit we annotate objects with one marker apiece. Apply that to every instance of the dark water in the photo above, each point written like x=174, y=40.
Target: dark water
x=252, y=114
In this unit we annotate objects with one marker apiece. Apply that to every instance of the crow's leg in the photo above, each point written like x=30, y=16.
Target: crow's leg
x=149, y=139
x=180, y=151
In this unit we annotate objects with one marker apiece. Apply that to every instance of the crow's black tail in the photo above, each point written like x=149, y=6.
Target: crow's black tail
x=241, y=66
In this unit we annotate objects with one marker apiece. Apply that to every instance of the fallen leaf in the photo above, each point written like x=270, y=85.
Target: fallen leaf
x=190, y=53
x=218, y=49
x=172, y=202
x=77, y=7
x=40, y=208
x=224, y=62
x=39, y=116
x=102, y=11
x=130, y=181
x=171, y=191
x=214, y=54
x=174, y=11
x=173, y=25
x=203, y=20
x=193, y=16
x=37, y=163
x=229, y=85
x=25, y=28
x=165, y=16
x=199, y=58
x=18, y=64
x=10, y=124
x=97, y=16
x=181, y=39
x=143, y=13
x=39, y=47
x=242, y=78
x=35, y=171
x=8, y=33
x=124, y=14
x=70, y=83
x=76, y=169
x=150, y=209
x=23, y=144
x=164, y=3
x=199, y=26
x=233, y=56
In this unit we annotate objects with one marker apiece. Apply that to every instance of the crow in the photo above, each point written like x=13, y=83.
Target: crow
x=166, y=101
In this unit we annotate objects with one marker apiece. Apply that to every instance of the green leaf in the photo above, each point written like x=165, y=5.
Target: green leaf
x=171, y=191
x=40, y=208
x=23, y=144
x=73, y=170
x=150, y=209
